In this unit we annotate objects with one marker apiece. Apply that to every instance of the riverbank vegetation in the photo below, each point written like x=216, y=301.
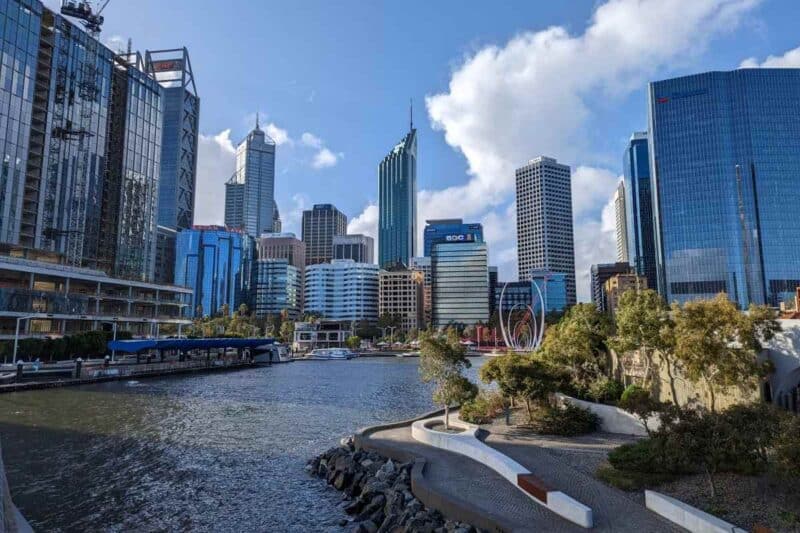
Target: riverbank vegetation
x=693, y=374
x=87, y=344
x=442, y=362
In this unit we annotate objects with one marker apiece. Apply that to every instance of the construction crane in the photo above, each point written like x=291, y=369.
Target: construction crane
x=82, y=9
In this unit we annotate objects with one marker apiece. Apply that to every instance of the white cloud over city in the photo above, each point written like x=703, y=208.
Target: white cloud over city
x=789, y=59
x=537, y=93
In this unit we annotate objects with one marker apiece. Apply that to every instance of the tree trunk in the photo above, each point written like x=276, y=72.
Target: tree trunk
x=528, y=408
x=672, y=388
x=447, y=417
x=712, y=396
x=710, y=478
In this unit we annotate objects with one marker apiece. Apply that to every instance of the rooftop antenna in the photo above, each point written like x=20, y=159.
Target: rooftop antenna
x=256, y=119
x=411, y=113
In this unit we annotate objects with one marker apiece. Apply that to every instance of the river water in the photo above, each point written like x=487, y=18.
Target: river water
x=214, y=452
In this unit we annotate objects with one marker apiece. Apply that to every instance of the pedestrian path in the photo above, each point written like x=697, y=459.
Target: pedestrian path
x=482, y=489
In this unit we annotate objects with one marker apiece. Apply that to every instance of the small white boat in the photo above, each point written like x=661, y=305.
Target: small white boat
x=272, y=353
x=327, y=354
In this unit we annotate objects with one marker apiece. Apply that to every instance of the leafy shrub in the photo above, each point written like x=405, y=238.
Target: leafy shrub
x=606, y=390
x=484, y=408
x=787, y=447
x=638, y=402
x=568, y=421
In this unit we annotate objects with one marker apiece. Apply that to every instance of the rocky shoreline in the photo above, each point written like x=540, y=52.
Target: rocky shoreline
x=377, y=493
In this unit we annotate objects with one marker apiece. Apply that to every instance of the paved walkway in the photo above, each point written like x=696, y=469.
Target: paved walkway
x=488, y=492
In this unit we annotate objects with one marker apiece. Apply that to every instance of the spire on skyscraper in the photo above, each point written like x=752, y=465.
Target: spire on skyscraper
x=257, y=120
x=411, y=114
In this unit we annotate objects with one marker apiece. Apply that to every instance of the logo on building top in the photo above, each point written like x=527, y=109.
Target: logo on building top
x=463, y=237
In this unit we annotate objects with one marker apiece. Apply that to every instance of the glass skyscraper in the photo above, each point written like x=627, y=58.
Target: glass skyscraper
x=342, y=290
x=217, y=265
x=725, y=161
x=460, y=273
x=81, y=144
x=320, y=225
x=178, y=171
x=397, y=204
x=639, y=208
x=447, y=230
x=250, y=193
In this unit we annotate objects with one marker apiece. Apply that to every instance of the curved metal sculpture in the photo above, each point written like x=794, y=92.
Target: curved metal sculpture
x=526, y=334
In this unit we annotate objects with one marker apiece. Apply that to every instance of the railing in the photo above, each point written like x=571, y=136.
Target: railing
x=27, y=301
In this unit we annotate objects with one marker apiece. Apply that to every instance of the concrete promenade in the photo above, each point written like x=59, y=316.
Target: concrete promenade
x=475, y=487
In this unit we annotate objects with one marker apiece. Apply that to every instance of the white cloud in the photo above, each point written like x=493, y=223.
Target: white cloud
x=117, y=43
x=366, y=223
x=309, y=139
x=791, y=58
x=293, y=218
x=324, y=158
x=279, y=135
x=216, y=157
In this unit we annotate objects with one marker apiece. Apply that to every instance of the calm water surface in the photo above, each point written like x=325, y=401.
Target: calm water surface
x=216, y=452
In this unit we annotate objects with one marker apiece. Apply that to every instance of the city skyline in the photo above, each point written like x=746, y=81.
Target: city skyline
x=326, y=159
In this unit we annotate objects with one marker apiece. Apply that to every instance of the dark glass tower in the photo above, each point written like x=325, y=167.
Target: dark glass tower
x=639, y=208
x=725, y=161
x=397, y=219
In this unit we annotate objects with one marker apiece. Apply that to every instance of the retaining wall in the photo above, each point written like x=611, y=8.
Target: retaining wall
x=612, y=419
x=686, y=516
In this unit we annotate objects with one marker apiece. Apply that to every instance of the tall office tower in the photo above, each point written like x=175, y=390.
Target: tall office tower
x=277, y=289
x=320, y=224
x=357, y=247
x=82, y=142
x=599, y=275
x=493, y=285
x=250, y=193
x=725, y=158
x=639, y=208
x=449, y=230
x=273, y=247
x=397, y=203
x=401, y=294
x=620, y=223
x=217, y=265
x=342, y=290
x=423, y=264
x=544, y=221
x=178, y=174
x=460, y=272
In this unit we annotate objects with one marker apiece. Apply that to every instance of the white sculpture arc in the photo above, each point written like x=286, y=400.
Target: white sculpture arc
x=523, y=336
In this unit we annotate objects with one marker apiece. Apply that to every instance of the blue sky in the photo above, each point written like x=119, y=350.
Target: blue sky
x=493, y=84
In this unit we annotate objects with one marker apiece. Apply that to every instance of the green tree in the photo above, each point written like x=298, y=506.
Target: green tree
x=442, y=363
x=287, y=331
x=643, y=324
x=719, y=345
x=578, y=342
x=353, y=342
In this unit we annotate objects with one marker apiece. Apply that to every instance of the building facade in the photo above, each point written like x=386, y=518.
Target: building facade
x=544, y=220
x=397, y=203
x=58, y=299
x=217, y=265
x=724, y=158
x=82, y=135
x=639, y=207
x=519, y=295
x=359, y=248
x=620, y=223
x=277, y=289
x=250, y=193
x=178, y=171
x=282, y=246
x=320, y=225
x=600, y=273
x=618, y=285
x=423, y=264
x=460, y=278
x=446, y=230
x=401, y=295
x=342, y=290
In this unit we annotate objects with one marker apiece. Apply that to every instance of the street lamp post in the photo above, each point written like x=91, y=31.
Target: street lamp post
x=16, y=336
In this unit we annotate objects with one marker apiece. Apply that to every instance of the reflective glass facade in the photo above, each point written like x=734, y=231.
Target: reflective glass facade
x=342, y=290
x=217, y=265
x=19, y=37
x=277, y=288
x=554, y=289
x=521, y=294
x=639, y=207
x=251, y=205
x=437, y=231
x=460, y=273
x=725, y=162
x=397, y=204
